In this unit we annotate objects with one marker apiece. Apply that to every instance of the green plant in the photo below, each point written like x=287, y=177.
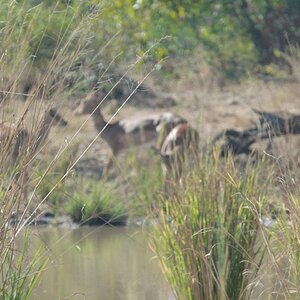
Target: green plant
x=21, y=273
x=207, y=238
x=144, y=180
x=99, y=204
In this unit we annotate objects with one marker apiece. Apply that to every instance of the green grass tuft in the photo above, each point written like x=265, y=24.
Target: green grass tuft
x=99, y=205
x=207, y=238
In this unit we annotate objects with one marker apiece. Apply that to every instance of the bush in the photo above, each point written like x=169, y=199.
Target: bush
x=99, y=206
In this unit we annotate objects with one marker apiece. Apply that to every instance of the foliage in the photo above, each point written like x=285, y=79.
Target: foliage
x=236, y=35
x=41, y=42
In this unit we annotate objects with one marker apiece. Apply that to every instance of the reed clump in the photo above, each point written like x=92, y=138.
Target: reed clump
x=208, y=237
x=30, y=83
x=284, y=245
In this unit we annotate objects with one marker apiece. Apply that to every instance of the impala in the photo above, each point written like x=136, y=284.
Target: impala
x=127, y=132
x=180, y=144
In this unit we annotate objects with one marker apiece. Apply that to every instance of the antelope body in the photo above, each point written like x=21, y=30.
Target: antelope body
x=12, y=139
x=19, y=138
x=127, y=132
x=14, y=142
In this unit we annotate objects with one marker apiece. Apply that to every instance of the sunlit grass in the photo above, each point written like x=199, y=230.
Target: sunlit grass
x=21, y=272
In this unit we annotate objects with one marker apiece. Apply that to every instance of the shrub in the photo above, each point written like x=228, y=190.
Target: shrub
x=208, y=235
x=98, y=206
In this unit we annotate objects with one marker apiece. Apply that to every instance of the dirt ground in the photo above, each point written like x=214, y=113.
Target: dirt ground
x=208, y=108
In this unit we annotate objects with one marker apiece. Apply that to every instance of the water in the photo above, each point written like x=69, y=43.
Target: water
x=94, y=264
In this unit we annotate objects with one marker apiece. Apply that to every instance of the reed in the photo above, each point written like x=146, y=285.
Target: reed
x=208, y=234
x=284, y=245
x=27, y=74
x=22, y=273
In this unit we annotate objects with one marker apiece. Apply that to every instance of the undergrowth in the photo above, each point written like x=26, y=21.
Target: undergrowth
x=208, y=237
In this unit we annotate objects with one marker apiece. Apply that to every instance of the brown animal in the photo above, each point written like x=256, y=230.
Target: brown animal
x=50, y=118
x=180, y=144
x=19, y=139
x=127, y=132
x=14, y=142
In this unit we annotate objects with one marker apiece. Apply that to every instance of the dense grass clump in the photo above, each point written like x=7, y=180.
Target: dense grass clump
x=208, y=235
x=99, y=205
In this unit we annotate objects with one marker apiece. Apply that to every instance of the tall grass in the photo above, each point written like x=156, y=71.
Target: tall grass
x=21, y=273
x=284, y=246
x=64, y=30
x=285, y=251
x=208, y=235
x=24, y=33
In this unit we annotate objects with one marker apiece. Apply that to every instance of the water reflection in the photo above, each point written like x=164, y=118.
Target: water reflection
x=103, y=263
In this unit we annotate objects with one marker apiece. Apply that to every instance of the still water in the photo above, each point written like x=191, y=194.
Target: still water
x=94, y=264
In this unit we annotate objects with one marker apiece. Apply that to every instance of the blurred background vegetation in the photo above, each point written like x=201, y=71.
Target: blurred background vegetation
x=235, y=37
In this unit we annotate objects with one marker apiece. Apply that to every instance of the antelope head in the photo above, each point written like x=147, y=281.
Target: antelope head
x=90, y=103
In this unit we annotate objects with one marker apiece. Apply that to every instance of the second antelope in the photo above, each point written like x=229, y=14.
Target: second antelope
x=180, y=144
x=127, y=132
